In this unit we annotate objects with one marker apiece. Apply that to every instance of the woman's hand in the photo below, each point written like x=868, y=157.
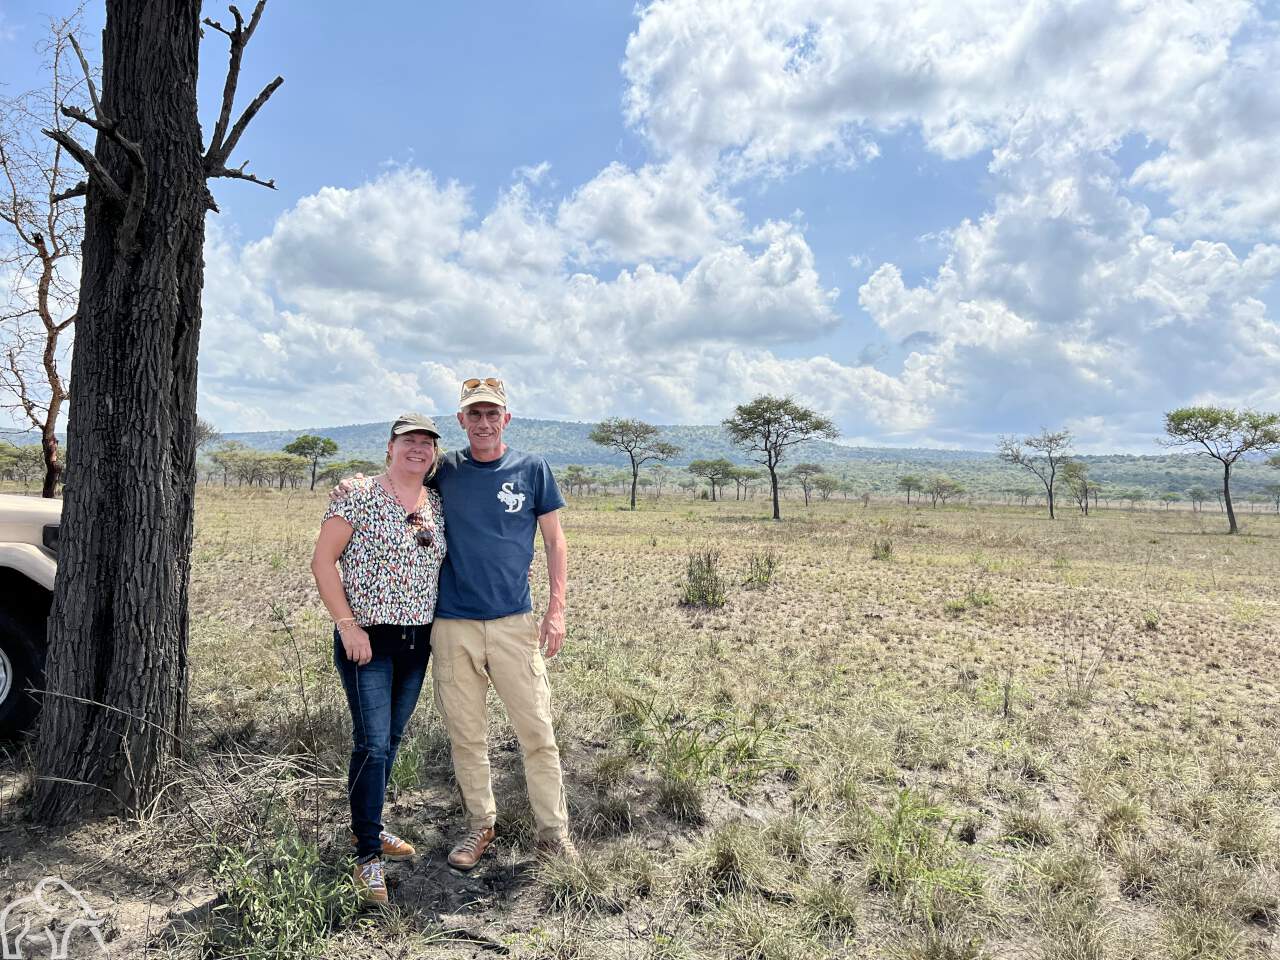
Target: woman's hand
x=345, y=486
x=355, y=642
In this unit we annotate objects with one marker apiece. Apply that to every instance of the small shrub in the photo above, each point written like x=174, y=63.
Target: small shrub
x=634, y=870
x=831, y=908
x=882, y=549
x=682, y=798
x=955, y=607
x=703, y=585
x=793, y=837
x=912, y=860
x=579, y=884
x=1189, y=935
x=760, y=569
x=279, y=900
x=1140, y=864
x=406, y=773
x=611, y=770
x=1243, y=832
x=1122, y=818
x=1029, y=827
x=753, y=933
x=613, y=815
x=1151, y=620
x=733, y=861
x=979, y=597
x=942, y=945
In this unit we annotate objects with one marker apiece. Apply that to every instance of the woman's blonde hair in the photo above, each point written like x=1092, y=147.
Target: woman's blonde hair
x=435, y=461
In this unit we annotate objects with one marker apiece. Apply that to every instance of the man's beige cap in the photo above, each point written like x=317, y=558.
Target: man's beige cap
x=486, y=390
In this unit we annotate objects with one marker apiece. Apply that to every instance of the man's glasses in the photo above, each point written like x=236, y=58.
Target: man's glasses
x=475, y=382
x=421, y=532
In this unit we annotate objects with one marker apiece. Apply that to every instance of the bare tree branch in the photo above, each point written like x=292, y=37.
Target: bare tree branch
x=88, y=76
x=245, y=118
x=238, y=41
x=97, y=172
x=81, y=189
x=224, y=140
x=239, y=173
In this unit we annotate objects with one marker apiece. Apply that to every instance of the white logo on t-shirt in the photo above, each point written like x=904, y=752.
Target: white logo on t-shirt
x=513, y=500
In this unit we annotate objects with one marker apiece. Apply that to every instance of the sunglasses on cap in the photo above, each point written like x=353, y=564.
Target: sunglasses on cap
x=474, y=383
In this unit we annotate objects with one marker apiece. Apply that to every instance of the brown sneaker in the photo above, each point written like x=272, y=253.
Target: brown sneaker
x=472, y=847
x=371, y=882
x=558, y=847
x=393, y=847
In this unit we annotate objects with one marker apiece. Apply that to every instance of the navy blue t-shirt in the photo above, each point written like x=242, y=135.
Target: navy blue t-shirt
x=491, y=512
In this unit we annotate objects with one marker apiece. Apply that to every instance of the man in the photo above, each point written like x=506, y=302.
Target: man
x=485, y=631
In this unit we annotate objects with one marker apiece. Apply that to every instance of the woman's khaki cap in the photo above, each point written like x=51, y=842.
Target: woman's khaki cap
x=409, y=422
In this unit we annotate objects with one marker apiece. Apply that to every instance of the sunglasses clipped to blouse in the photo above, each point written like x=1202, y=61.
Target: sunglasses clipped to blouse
x=425, y=535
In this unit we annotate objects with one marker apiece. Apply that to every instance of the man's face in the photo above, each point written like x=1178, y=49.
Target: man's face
x=484, y=423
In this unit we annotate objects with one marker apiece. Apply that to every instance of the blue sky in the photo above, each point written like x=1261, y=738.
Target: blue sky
x=975, y=220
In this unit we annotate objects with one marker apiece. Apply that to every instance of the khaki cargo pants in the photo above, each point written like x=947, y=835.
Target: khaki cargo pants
x=466, y=655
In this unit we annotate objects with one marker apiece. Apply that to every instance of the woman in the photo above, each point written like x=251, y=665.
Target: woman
x=387, y=537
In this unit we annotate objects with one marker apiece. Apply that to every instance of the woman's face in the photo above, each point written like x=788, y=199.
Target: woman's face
x=414, y=451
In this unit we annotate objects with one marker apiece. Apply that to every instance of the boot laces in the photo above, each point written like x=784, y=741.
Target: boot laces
x=473, y=840
x=371, y=873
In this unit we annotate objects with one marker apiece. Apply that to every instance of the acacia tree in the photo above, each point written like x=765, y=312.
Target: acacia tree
x=1075, y=474
x=940, y=488
x=1197, y=495
x=768, y=426
x=826, y=485
x=1041, y=455
x=40, y=232
x=314, y=449
x=805, y=474
x=115, y=706
x=638, y=440
x=661, y=476
x=1224, y=434
x=909, y=483
x=715, y=472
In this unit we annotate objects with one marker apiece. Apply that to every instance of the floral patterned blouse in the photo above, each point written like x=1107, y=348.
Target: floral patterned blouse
x=389, y=577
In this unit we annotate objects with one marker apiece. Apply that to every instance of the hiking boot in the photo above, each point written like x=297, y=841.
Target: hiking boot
x=559, y=847
x=393, y=847
x=371, y=882
x=472, y=847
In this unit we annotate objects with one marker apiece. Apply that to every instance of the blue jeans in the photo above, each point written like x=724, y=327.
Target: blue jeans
x=381, y=695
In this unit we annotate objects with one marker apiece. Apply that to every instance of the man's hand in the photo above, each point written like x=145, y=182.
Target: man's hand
x=355, y=642
x=551, y=634
x=345, y=486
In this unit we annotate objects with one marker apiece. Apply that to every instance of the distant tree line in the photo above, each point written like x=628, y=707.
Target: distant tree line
x=300, y=459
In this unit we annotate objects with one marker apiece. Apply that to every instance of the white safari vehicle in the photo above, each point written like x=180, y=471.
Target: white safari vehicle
x=28, y=561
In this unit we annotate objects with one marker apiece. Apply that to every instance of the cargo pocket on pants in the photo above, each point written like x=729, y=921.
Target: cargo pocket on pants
x=442, y=669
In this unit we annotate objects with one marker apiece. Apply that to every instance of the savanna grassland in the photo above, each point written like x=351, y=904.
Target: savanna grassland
x=908, y=732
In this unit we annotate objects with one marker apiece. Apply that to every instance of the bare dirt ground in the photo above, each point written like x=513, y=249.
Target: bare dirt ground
x=933, y=733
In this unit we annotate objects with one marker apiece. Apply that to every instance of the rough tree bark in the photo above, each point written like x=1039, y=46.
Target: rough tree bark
x=117, y=669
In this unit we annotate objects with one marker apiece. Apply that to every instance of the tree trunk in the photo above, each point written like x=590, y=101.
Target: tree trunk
x=315, y=465
x=773, y=482
x=52, y=465
x=1226, y=497
x=118, y=628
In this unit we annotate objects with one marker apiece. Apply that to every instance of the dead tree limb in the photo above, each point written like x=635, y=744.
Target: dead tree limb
x=223, y=141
